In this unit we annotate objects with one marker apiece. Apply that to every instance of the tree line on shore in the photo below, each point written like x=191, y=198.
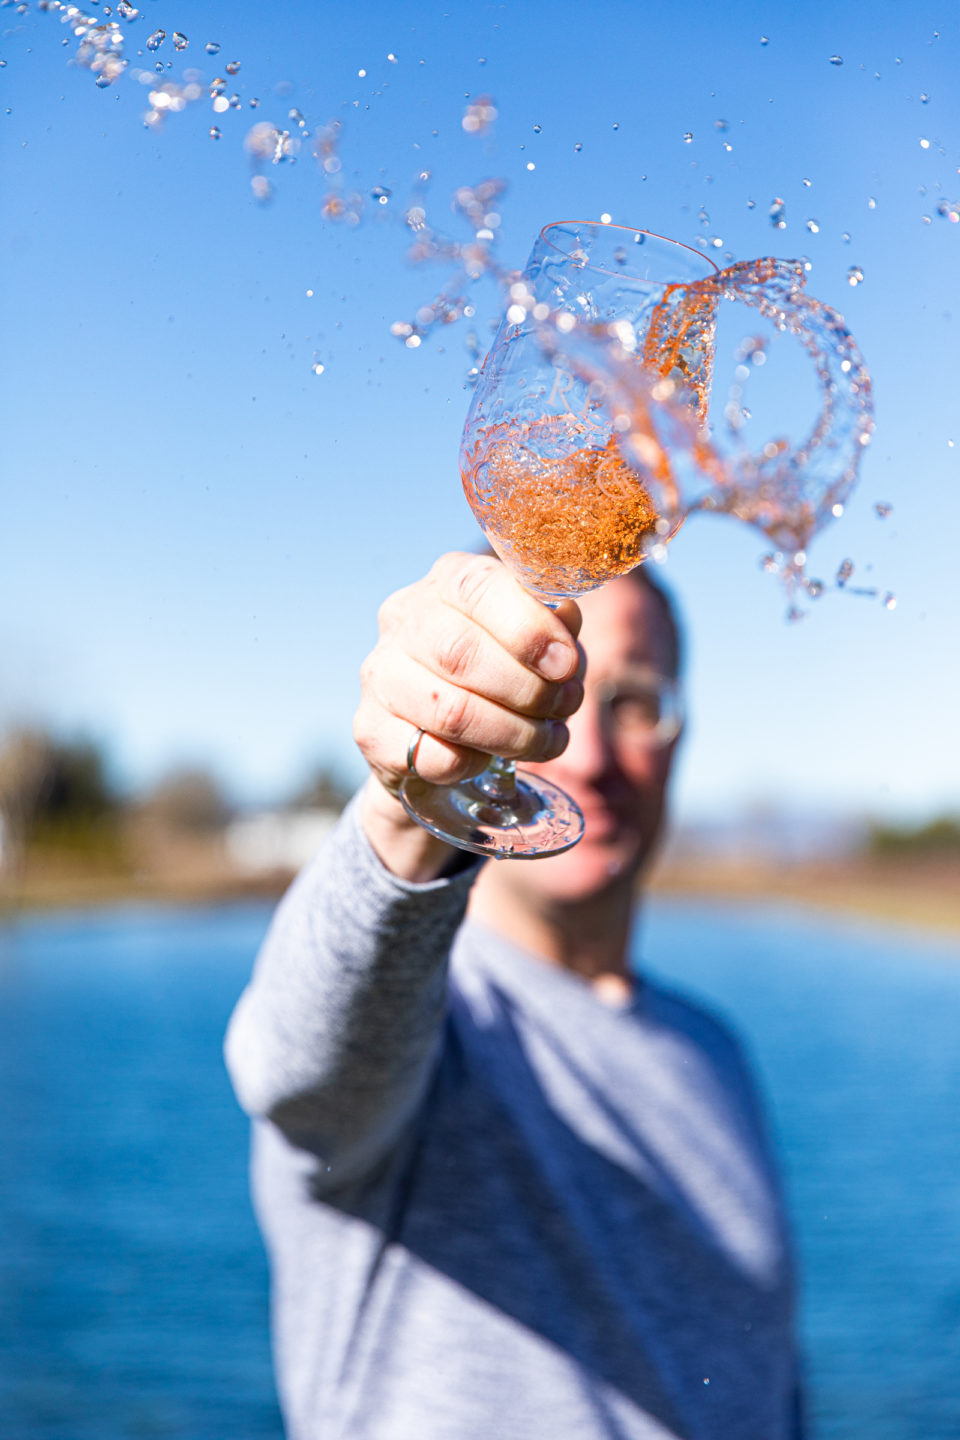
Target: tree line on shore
x=58, y=794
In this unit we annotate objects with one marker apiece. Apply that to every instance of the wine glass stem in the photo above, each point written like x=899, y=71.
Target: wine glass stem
x=499, y=779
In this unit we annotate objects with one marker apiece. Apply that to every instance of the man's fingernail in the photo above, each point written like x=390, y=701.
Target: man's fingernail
x=555, y=661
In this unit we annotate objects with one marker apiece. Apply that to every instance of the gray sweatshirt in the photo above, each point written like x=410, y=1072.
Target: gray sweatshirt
x=495, y=1207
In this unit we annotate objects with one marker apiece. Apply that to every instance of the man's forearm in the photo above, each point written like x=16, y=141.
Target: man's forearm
x=335, y=1037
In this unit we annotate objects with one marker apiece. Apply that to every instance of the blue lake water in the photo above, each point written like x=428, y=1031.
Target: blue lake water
x=133, y=1295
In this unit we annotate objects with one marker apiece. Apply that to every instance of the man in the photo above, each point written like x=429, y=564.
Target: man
x=507, y=1189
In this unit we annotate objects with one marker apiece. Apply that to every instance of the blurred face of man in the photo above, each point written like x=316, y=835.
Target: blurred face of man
x=616, y=772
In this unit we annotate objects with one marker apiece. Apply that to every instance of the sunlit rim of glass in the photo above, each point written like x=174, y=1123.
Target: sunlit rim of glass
x=627, y=230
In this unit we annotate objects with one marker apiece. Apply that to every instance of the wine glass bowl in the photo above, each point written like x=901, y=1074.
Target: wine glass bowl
x=570, y=490
x=562, y=501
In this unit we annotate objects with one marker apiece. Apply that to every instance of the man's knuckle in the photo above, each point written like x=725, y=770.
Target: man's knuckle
x=456, y=651
x=393, y=609
x=469, y=581
x=364, y=731
x=528, y=641
x=455, y=714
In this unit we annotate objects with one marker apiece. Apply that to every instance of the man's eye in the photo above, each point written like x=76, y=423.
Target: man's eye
x=638, y=710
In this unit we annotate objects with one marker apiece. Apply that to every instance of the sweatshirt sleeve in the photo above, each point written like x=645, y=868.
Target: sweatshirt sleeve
x=336, y=1036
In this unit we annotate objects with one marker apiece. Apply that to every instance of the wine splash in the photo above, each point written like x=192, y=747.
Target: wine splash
x=661, y=465
x=788, y=493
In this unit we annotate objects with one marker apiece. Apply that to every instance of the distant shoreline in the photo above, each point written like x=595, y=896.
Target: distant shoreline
x=923, y=896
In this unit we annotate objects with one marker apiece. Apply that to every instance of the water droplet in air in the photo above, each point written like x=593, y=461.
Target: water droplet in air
x=770, y=564
x=479, y=116
x=764, y=39
x=721, y=125
x=620, y=255
x=214, y=132
x=381, y=194
x=220, y=105
x=751, y=204
x=126, y=11
x=537, y=129
x=836, y=59
x=530, y=165
x=606, y=218
x=924, y=97
x=924, y=144
x=844, y=572
x=217, y=86
x=836, y=511
x=317, y=367
x=180, y=41
x=232, y=67
x=578, y=147
x=845, y=237
x=212, y=48
x=777, y=214
x=854, y=275
x=925, y=220
x=889, y=601
x=871, y=203
x=882, y=509
x=154, y=41
x=103, y=81
x=814, y=589
x=813, y=226
x=392, y=58
x=616, y=124
x=688, y=137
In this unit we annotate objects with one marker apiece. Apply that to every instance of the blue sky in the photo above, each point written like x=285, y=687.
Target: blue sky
x=198, y=528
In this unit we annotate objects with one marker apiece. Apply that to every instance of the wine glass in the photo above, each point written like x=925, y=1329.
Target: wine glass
x=547, y=478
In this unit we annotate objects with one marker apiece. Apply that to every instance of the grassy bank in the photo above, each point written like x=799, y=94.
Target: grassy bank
x=923, y=894
x=920, y=893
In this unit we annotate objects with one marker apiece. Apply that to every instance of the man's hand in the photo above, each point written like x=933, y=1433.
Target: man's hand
x=470, y=658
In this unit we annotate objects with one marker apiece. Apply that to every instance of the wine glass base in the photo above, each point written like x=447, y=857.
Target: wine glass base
x=538, y=819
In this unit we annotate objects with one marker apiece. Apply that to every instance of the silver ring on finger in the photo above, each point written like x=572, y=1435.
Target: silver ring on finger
x=412, y=749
